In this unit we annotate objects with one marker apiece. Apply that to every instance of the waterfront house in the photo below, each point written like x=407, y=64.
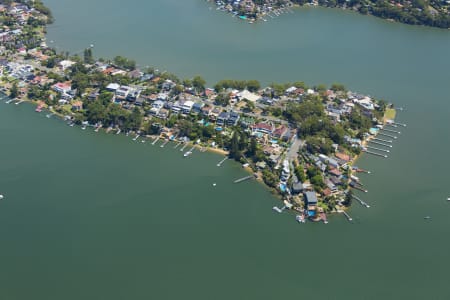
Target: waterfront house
x=311, y=200
x=77, y=105
x=65, y=64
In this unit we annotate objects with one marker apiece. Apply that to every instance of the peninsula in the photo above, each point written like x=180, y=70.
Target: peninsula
x=300, y=140
x=417, y=12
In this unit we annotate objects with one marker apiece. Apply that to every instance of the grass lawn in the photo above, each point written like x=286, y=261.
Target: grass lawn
x=390, y=114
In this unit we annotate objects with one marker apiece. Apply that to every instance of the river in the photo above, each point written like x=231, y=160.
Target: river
x=96, y=216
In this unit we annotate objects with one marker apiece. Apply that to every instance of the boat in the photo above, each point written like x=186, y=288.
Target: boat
x=187, y=154
x=427, y=217
x=300, y=218
x=83, y=127
x=72, y=124
x=448, y=199
x=1, y=197
x=277, y=209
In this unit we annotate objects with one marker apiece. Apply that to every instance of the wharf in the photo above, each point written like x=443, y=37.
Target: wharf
x=156, y=140
x=244, y=178
x=361, y=201
x=381, y=144
x=376, y=154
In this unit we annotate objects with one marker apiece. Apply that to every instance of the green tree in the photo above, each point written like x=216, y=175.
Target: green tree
x=198, y=83
x=14, y=91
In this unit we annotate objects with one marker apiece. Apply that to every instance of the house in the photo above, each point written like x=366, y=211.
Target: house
x=112, y=87
x=65, y=64
x=122, y=92
x=263, y=128
x=311, y=199
x=222, y=118
x=233, y=119
x=245, y=94
x=297, y=186
x=62, y=87
x=77, y=105
x=197, y=107
x=280, y=131
x=177, y=107
x=206, y=110
x=187, y=106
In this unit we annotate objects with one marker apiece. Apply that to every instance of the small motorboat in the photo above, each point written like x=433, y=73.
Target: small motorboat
x=427, y=217
x=187, y=154
x=448, y=199
x=1, y=197
x=300, y=218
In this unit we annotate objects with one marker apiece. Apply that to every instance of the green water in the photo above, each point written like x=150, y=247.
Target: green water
x=95, y=216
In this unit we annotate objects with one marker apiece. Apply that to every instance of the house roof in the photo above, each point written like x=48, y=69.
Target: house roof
x=311, y=197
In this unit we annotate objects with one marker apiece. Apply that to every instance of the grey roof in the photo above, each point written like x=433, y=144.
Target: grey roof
x=311, y=197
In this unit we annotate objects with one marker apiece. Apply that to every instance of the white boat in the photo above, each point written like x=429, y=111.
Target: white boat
x=84, y=127
x=187, y=154
x=448, y=199
x=300, y=218
x=427, y=217
x=1, y=197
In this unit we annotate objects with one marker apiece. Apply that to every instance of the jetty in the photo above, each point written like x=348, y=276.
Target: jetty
x=118, y=131
x=184, y=146
x=361, y=201
x=137, y=136
x=379, y=143
x=9, y=101
x=388, y=135
x=378, y=149
x=376, y=154
x=97, y=128
x=176, y=146
x=399, y=124
x=243, y=178
x=165, y=143
x=390, y=130
x=357, y=187
x=18, y=102
x=382, y=140
x=222, y=161
x=347, y=215
x=156, y=140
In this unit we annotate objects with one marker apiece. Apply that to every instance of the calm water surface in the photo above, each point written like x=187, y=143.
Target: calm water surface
x=95, y=216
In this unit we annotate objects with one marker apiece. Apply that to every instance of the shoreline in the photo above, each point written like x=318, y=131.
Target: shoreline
x=269, y=141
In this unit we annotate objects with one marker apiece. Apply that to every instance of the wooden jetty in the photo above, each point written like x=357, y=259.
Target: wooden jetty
x=379, y=143
x=347, y=215
x=378, y=149
x=156, y=140
x=184, y=146
x=376, y=154
x=244, y=178
x=390, y=130
x=361, y=201
x=388, y=135
x=382, y=140
x=176, y=146
x=137, y=136
x=165, y=143
x=222, y=161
